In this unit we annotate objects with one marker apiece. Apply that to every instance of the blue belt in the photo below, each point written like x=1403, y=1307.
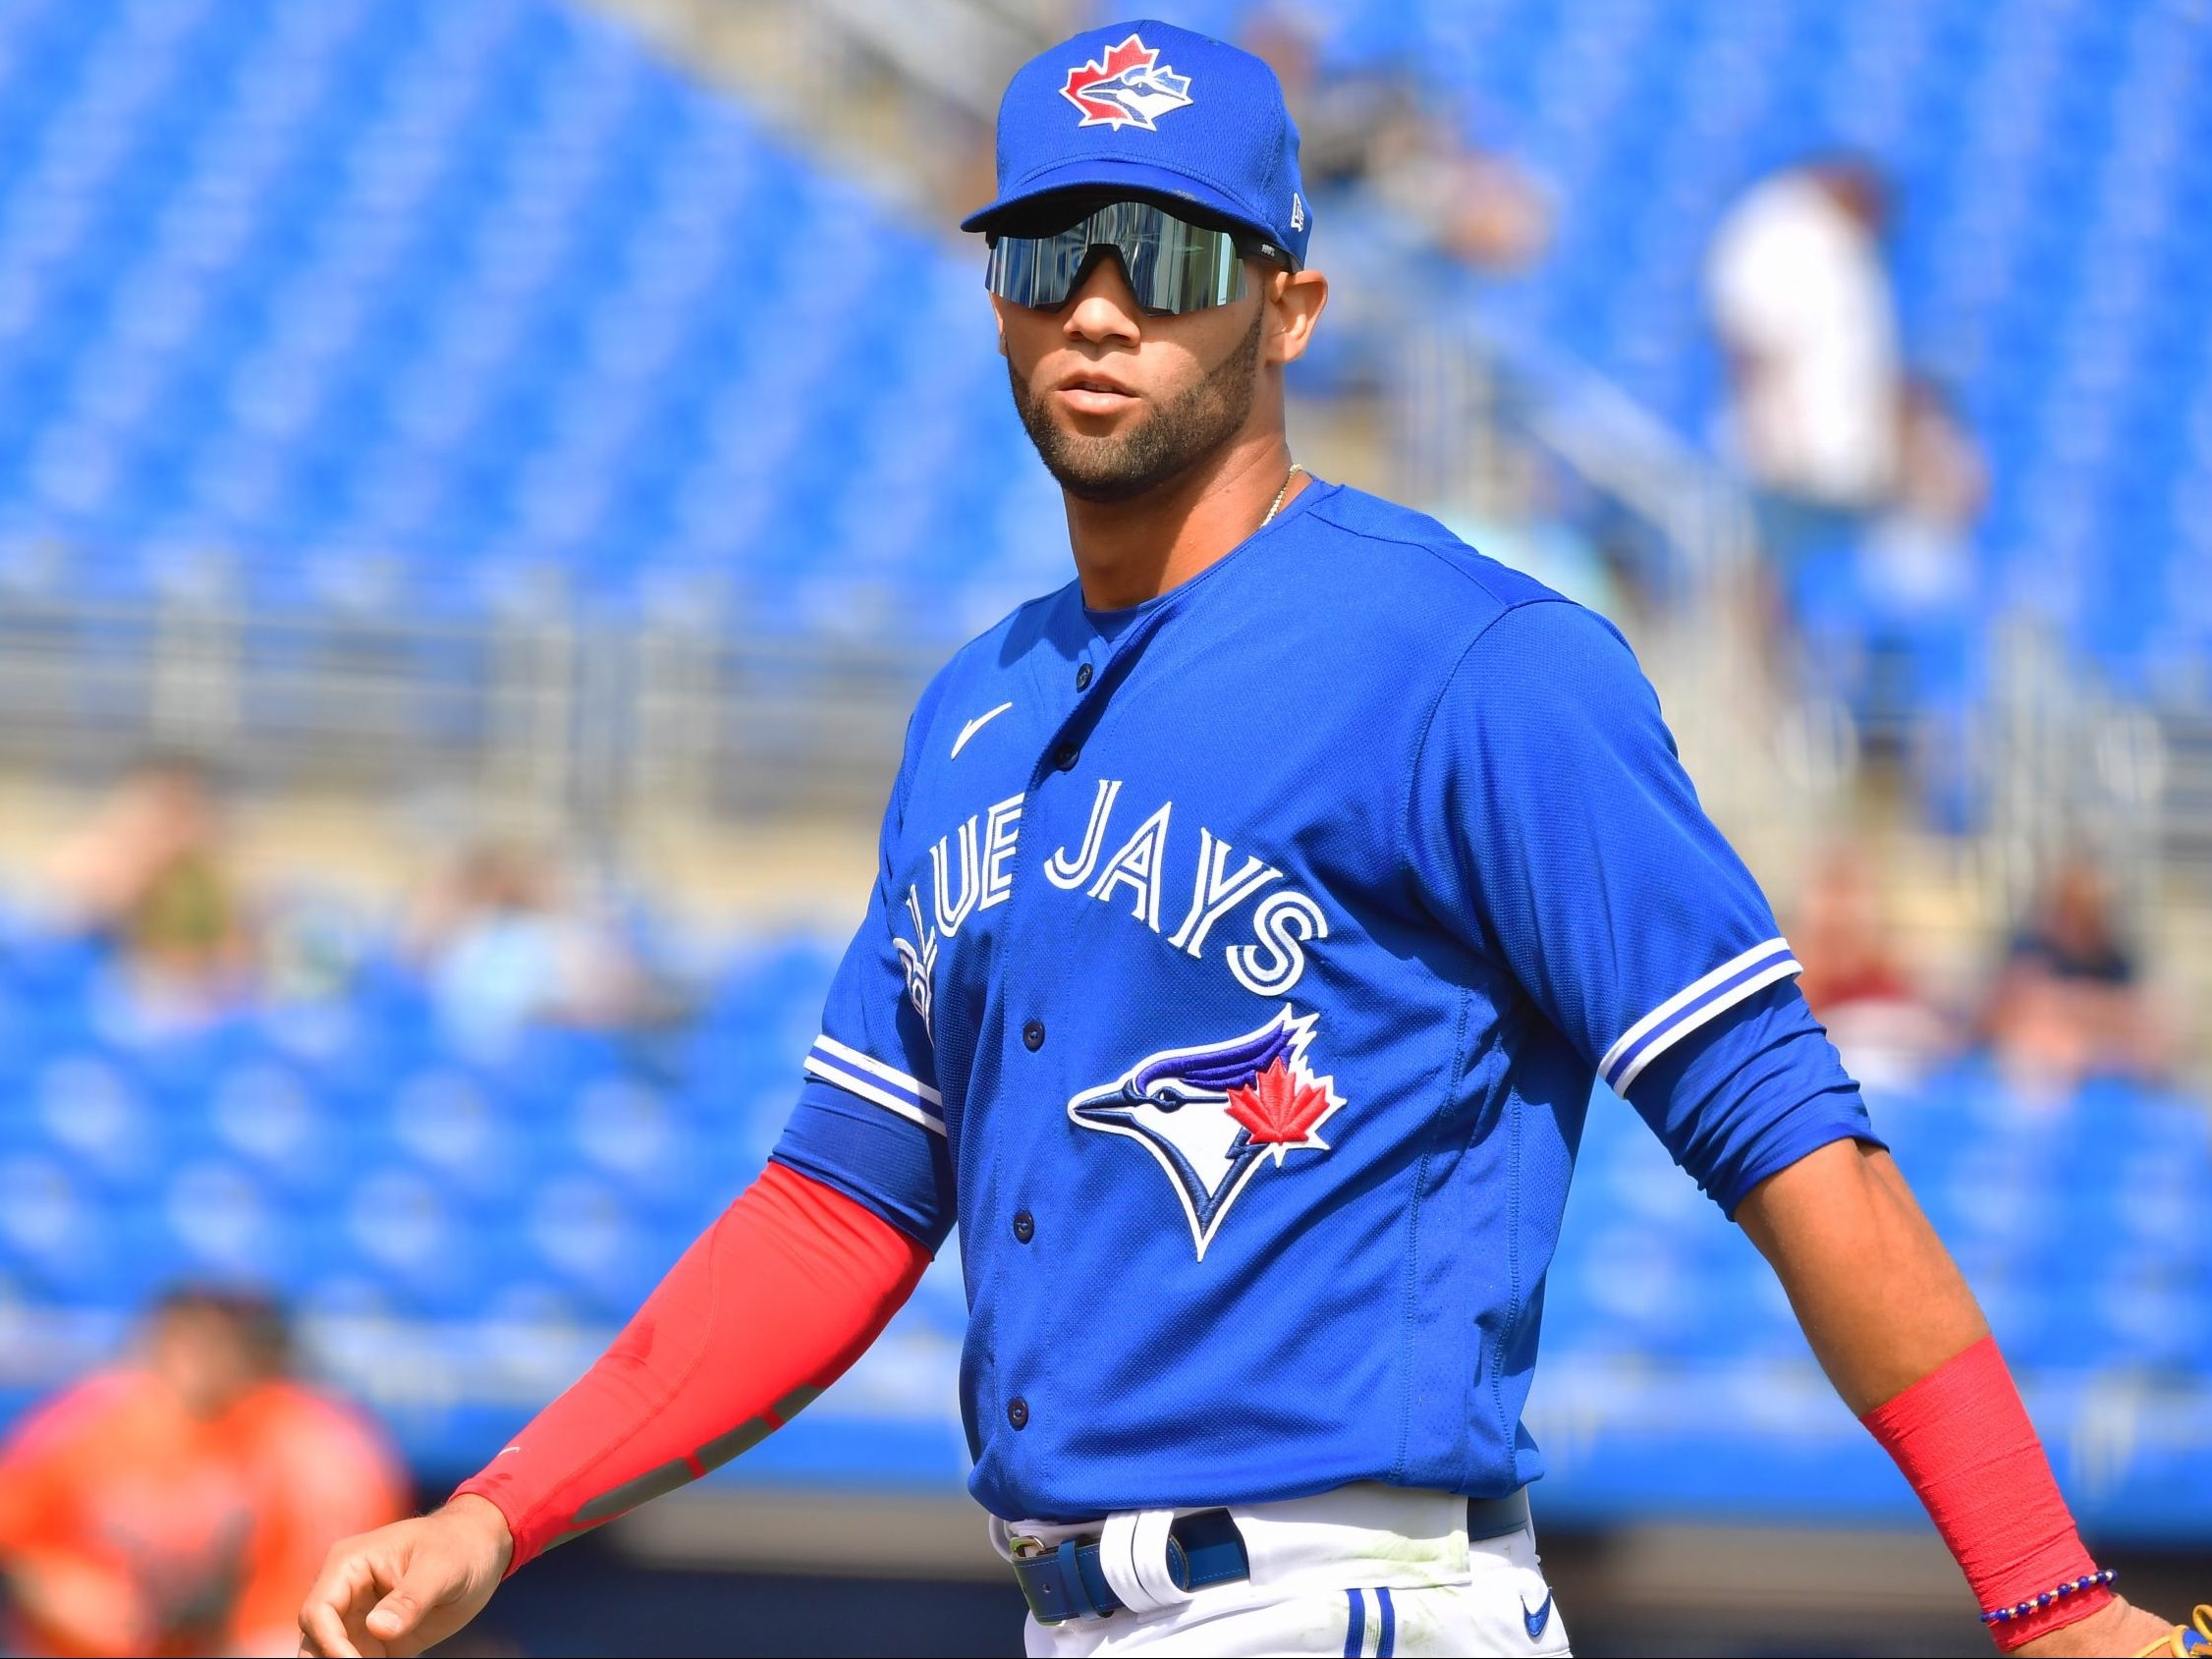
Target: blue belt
x=1204, y=1548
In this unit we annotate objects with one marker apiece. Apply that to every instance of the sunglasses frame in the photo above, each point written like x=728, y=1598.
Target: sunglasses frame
x=1246, y=243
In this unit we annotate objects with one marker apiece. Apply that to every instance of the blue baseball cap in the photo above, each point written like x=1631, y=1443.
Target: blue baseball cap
x=1153, y=111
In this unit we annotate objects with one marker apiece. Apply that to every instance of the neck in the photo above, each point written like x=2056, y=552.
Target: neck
x=1130, y=551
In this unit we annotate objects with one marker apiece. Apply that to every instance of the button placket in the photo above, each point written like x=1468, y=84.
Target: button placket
x=1066, y=745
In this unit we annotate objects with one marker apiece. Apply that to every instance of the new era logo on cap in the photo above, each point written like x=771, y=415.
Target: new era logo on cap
x=1130, y=89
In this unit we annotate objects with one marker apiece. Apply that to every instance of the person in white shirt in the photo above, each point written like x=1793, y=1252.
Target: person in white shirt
x=1803, y=306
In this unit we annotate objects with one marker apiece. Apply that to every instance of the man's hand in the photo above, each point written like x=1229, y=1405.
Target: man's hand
x=408, y=1585
x=2114, y=1628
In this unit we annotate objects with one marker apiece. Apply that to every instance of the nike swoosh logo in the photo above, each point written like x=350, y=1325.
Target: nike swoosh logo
x=977, y=725
x=1534, y=1622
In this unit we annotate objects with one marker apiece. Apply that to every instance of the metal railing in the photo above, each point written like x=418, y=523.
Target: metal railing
x=568, y=720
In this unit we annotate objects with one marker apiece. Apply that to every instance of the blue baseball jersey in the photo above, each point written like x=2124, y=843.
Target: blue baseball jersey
x=1237, y=974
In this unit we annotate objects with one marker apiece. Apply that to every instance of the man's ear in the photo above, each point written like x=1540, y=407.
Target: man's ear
x=998, y=322
x=1295, y=298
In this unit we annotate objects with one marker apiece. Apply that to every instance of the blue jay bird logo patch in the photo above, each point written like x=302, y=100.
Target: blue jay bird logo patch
x=1213, y=1115
x=1130, y=89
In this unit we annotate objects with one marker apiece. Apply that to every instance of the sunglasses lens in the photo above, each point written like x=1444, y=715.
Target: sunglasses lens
x=1172, y=266
x=1036, y=271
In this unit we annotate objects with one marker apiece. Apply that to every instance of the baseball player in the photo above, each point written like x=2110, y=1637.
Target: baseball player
x=1254, y=916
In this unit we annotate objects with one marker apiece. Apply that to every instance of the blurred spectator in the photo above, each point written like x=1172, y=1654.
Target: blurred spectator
x=1803, y=303
x=316, y=1470
x=502, y=945
x=1893, y=621
x=150, y=874
x=1918, y=556
x=310, y=948
x=2069, y=1003
x=1887, y=1032
x=1920, y=589
x=1374, y=131
x=177, y=1504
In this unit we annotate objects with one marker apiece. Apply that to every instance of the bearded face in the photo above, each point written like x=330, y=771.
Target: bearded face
x=1120, y=454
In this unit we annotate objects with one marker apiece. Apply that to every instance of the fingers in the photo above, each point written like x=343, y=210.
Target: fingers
x=430, y=1581
x=322, y=1633
x=416, y=1584
x=348, y=1582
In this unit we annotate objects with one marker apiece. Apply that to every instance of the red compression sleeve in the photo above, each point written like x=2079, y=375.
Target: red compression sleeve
x=764, y=1311
x=1962, y=1439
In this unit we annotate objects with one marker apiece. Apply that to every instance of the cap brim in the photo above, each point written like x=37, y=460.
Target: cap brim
x=1134, y=178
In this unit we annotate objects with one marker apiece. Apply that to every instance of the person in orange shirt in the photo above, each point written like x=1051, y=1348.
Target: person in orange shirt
x=317, y=1471
x=176, y=1503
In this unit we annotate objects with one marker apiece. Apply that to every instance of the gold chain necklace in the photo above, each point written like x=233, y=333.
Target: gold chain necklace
x=1276, y=506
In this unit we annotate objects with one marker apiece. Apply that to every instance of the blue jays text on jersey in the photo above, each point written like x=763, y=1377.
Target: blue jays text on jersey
x=1237, y=974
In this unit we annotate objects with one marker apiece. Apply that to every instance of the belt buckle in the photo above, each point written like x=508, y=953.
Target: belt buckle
x=1052, y=1580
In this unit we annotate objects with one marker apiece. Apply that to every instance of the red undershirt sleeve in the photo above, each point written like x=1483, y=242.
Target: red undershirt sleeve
x=764, y=1311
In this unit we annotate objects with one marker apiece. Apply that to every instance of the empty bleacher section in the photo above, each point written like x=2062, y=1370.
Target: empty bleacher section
x=383, y=382
x=394, y=301
x=397, y=346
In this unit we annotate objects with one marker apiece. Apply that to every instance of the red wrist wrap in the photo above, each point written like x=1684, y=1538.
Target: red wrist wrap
x=762, y=1313
x=1962, y=1439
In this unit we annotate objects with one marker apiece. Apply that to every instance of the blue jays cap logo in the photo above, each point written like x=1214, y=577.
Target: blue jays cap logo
x=1213, y=1115
x=1130, y=89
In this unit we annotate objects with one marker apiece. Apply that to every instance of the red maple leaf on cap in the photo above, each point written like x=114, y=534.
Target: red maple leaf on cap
x=1132, y=53
x=1280, y=1109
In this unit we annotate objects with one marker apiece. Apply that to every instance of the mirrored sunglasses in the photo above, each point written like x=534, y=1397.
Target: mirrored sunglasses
x=1172, y=265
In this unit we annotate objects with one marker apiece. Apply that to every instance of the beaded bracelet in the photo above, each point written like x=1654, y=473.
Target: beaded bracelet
x=2072, y=1586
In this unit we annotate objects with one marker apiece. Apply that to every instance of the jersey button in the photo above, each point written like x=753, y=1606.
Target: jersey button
x=1024, y=1226
x=1082, y=678
x=1066, y=756
x=1032, y=1036
x=1018, y=1412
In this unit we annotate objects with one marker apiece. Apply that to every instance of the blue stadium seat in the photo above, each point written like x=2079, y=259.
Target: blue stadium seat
x=579, y=1233
x=101, y=1121
x=66, y=1243
x=635, y=1135
x=270, y=1117
x=401, y=1233
x=216, y=1221
x=473, y=1142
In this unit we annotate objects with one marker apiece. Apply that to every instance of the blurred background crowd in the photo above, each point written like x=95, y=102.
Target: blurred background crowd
x=483, y=480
